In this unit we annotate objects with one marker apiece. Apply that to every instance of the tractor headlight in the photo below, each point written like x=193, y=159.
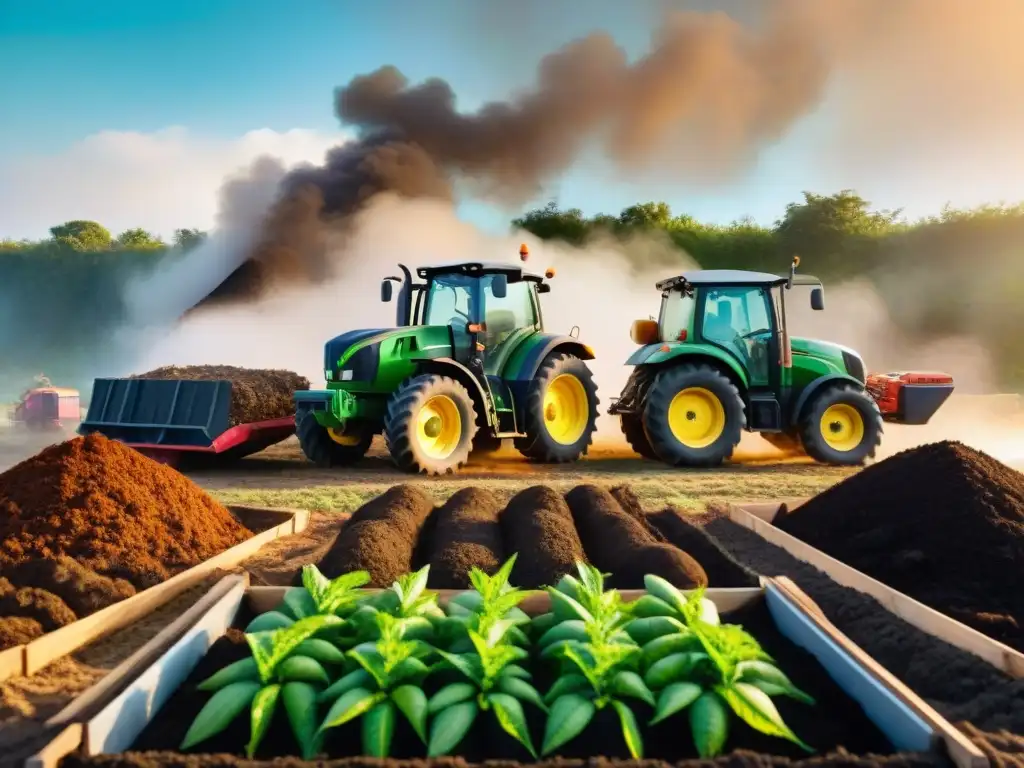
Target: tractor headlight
x=346, y=375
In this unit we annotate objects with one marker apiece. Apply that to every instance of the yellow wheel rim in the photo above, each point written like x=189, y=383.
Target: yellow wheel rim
x=566, y=409
x=341, y=438
x=696, y=417
x=439, y=427
x=842, y=427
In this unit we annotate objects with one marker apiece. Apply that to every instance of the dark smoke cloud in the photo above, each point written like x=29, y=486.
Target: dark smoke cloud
x=699, y=106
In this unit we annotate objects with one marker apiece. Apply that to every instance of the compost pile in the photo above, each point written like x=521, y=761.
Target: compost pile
x=943, y=523
x=256, y=394
x=404, y=529
x=87, y=523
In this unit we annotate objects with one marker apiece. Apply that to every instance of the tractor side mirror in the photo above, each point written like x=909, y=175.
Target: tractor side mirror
x=817, y=299
x=499, y=286
x=386, y=291
x=543, y=288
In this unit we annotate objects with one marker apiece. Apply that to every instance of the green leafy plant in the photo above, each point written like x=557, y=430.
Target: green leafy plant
x=388, y=680
x=602, y=661
x=696, y=663
x=318, y=595
x=492, y=603
x=273, y=672
x=407, y=600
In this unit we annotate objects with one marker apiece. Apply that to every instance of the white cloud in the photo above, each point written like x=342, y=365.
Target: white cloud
x=159, y=181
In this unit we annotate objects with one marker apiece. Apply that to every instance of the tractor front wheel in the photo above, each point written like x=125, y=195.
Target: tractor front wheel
x=430, y=425
x=561, y=411
x=693, y=416
x=842, y=425
x=327, y=447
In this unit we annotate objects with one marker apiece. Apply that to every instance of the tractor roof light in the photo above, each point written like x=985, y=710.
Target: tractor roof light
x=524, y=252
x=549, y=272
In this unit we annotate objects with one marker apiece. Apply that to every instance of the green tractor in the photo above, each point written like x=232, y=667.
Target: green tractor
x=720, y=360
x=468, y=366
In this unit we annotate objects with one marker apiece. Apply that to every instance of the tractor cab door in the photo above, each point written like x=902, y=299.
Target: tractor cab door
x=741, y=321
x=451, y=300
x=508, y=321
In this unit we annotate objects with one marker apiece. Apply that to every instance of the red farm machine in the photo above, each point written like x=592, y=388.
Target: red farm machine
x=46, y=409
x=179, y=421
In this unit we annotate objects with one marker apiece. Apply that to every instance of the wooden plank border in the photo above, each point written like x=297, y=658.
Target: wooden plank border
x=919, y=615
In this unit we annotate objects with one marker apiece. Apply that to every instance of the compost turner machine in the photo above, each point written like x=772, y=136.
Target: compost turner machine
x=176, y=420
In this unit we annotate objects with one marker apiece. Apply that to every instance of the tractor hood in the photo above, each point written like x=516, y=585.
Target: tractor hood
x=846, y=360
x=365, y=338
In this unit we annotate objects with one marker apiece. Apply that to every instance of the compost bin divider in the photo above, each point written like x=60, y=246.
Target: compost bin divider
x=917, y=614
x=43, y=651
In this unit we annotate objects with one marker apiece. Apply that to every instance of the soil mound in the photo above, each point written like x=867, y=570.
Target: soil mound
x=466, y=534
x=44, y=607
x=943, y=523
x=83, y=590
x=17, y=630
x=619, y=544
x=113, y=510
x=721, y=568
x=256, y=394
x=380, y=537
x=630, y=503
x=538, y=524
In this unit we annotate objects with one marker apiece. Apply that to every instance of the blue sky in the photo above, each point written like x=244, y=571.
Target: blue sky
x=72, y=68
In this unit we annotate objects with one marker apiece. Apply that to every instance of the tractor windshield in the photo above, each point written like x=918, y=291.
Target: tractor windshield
x=676, y=315
x=450, y=300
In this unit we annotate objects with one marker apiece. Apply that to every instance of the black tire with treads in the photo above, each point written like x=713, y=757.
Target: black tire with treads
x=400, y=424
x=317, y=445
x=633, y=428
x=810, y=426
x=538, y=444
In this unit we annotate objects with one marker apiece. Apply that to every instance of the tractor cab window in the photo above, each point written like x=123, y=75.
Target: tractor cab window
x=503, y=317
x=450, y=300
x=676, y=315
x=739, y=320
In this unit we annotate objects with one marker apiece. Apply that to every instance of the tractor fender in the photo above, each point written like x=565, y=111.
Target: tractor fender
x=816, y=386
x=539, y=352
x=677, y=353
x=446, y=366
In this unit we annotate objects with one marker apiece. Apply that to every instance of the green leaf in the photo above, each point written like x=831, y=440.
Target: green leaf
x=263, y=706
x=320, y=650
x=378, y=729
x=567, y=609
x=269, y=621
x=569, y=716
x=241, y=671
x=756, y=709
x=358, y=678
x=541, y=624
x=675, y=698
x=572, y=683
x=302, y=669
x=648, y=605
x=664, y=591
x=450, y=726
x=514, y=670
x=349, y=706
x=343, y=591
x=521, y=689
x=300, y=602
x=468, y=665
x=503, y=574
x=412, y=702
x=300, y=700
x=569, y=585
x=630, y=729
x=271, y=648
x=626, y=683
x=758, y=673
x=466, y=602
x=573, y=629
x=371, y=660
x=454, y=693
x=512, y=719
x=408, y=669
x=218, y=713
x=674, y=668
x=644, y=631
x=709, y=724
x=315, y=583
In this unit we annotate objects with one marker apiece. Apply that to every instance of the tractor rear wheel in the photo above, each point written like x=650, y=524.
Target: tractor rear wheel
x=633, y=429
x=842, y=425
x=693, y=416
x=561, y=411
x=430, y=425
x=328, y=448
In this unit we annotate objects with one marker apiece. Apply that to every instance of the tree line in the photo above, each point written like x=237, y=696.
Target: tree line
x=957, y=272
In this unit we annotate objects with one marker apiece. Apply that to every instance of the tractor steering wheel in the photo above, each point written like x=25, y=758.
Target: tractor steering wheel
x=758, y=332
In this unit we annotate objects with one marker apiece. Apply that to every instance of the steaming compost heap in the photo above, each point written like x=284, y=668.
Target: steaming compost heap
x=256, y=394
x=86, y=523
x=943, y=523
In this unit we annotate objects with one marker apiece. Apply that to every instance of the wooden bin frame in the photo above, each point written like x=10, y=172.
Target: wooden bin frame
x=759, y=516
x=31, y=657
x=92, y=731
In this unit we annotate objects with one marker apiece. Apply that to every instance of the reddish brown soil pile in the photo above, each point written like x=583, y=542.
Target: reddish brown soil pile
x=943, y=523
x=619, y=544
x=36, y=604
x=537, y=524
x=256, y=394
x=113, y=510
x=466, y=534
x=380, y=537
x=83, y=590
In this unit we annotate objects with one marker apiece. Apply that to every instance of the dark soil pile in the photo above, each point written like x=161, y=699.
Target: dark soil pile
x=111, y=509
x=721, y=568
x=630, y=503
x=466, y=533
x=537, y=524
x=943, y=523
x=82, y=589
x=380, y=537
x=619, y=544
x=256, y=394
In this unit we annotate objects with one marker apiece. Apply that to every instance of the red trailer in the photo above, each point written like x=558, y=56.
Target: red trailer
x=48, y=408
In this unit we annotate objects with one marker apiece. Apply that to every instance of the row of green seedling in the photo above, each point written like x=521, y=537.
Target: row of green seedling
x=332, y=653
